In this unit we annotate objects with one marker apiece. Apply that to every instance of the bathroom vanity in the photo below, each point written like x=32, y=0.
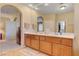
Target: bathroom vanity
x=50, y=43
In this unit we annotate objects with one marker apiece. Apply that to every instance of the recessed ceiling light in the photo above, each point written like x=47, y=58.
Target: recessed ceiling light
x=36, y=8
x=46, y=4
x=62, y=7
x=30, y=5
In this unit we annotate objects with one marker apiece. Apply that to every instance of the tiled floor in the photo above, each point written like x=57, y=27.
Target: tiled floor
x=8, y=44
x=22, y=52
x=10, y=48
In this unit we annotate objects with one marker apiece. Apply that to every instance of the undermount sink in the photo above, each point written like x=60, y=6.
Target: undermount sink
x=57, y=33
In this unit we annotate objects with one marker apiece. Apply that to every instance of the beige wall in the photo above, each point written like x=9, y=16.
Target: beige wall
x=76, y=29
x=49, y=22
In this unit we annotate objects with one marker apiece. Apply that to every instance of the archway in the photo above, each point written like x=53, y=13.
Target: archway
x=12, y=29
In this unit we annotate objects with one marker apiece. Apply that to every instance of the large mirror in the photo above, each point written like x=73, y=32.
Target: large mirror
x=57, y=14
x=40, y=26
x=61, y=27
x=52, y=14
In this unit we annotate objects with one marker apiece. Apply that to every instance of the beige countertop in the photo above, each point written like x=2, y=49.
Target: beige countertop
x=53, y=34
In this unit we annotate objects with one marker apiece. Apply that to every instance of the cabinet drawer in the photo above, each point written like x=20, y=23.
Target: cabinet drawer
x=42, y=38
x=26, y=36
x=34, y=37
x=67, y=42
x=53, y=39
x=49, y=39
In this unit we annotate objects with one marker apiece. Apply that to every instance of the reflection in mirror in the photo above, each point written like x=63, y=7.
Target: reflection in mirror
x=68, y=18
x=61, y=26
x=40, y=24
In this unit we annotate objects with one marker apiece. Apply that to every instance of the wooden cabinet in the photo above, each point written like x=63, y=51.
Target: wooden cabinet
x=43, y=38
x=35, y=42
x=67, y=42
x=45, y=47
x=32, y=41
x=27, y=40
x=62, y=47
x=66, y=51
x=61, y=50
x=54, y=46
x=56, y=49
x=66, y=47
x=53, y=39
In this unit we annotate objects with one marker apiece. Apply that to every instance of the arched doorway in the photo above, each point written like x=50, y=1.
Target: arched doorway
x=12, y=25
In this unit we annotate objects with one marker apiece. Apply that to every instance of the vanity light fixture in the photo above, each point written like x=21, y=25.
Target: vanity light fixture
x=62, y=7
x=36, y=8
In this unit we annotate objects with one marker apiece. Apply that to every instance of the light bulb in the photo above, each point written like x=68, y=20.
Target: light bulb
x=46, y=4
x=36, y=8
x=30, y=5
x=62, y=7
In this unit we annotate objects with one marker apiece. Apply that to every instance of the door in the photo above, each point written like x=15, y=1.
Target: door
x=11, y=30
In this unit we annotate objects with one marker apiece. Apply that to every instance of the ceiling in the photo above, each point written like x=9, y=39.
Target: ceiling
x=51, y=7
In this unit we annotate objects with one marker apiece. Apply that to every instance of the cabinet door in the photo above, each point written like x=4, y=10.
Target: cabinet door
x=35, y=42
x=56, y=49
x=42, y=38
x=67, y=42
x=45, y=47
x=61, y=50
x=27, y=40
x=66, y=50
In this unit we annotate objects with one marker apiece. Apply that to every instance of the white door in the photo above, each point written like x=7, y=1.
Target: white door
x=11, y=30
